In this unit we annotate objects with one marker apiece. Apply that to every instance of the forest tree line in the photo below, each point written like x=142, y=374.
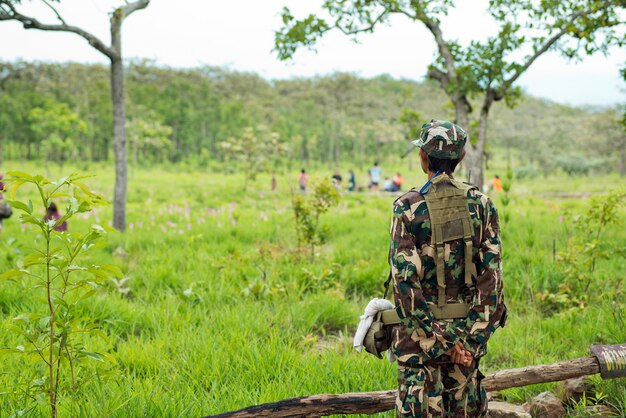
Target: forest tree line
x=61, y=112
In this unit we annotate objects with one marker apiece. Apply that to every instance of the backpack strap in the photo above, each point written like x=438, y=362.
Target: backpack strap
x=450, y=220
x=387, y=285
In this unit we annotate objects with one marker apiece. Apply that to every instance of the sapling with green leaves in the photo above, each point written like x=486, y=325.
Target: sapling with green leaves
x=585, y=248
x=253, y=151
x=505, y=200
x=307, y=210
x=57, y=269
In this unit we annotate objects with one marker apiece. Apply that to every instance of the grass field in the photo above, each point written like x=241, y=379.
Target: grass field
x=223, y=312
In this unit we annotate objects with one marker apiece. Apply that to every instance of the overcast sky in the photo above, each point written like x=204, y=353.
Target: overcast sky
x=240, y=34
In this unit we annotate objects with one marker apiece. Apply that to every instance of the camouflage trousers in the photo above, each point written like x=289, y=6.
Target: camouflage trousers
x=440, y=390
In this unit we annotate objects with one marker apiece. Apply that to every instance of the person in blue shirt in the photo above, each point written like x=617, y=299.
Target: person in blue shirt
x=375, y=175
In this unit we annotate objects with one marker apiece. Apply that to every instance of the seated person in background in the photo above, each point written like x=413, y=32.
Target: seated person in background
x=496, y=183
x=336, y=178
x=397, y=182
x=52, y=213
x=387, y=185
x=351, y=181
x=2, y=208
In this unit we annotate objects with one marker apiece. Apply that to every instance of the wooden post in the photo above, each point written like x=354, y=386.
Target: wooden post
x=373, y=402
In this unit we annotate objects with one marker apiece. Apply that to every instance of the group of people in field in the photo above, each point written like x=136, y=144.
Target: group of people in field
x=375, y=184
x=393, y=184
x=52, y=212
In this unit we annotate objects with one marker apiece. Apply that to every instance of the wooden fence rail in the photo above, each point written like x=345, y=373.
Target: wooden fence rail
x=372, y=402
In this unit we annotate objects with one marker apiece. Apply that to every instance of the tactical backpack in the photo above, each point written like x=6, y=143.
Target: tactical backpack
x=450, y=220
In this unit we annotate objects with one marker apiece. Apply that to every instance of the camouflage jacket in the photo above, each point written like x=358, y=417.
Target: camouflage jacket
x=420, y=338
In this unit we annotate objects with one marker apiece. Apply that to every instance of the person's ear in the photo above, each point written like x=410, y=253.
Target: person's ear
x=462, y=156
x=424, y=161
x=423, y=156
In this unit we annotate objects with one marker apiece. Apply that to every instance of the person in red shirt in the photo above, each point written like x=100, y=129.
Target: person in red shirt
x=5, y=210
x=496, y=183
x=303, y=180
x=397, y=182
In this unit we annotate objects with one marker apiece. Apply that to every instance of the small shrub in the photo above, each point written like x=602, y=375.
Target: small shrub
x=307, y=210
x=583, y=251
x=526, y=172
x=576, y=164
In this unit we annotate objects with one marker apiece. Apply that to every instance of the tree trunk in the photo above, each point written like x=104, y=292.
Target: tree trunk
x=92, y=147
x=362, y=152
x=329, y=150
x=622, y=161
x=119, y=124
x=135, y=151
x=461, y=112
x=475, y=152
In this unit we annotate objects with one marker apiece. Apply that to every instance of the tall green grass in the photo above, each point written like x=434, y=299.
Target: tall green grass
x=223, y=312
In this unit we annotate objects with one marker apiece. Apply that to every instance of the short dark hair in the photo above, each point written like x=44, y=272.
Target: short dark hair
x=52, y=208
x=440, y=164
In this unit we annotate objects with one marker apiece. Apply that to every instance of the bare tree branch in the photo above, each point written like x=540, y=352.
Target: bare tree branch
x=54, y=10
x=444, y=51
x=368, y=28
x=439, y=75
x=373, y=402
x=10, y=13
x=130, y=8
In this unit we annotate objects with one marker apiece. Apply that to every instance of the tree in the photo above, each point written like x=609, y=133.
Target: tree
x=8, y=11
x=254, y=150
x=59, y=128
x=149, y=137
x=486, y=70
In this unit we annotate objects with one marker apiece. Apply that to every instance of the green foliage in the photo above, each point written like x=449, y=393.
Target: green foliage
x=307, y=209
x=584, y=250
x=489, y=66
x=413, y=121
x=526, y=172
x=297, y=32
x=576, y=164
x=585, y=401
x=59, y=130
x=253, y=151
x=149, y=138
x=324, y=120
x=55, y=334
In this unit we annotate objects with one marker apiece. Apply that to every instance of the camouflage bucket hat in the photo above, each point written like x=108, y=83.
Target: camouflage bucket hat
x=442, y=139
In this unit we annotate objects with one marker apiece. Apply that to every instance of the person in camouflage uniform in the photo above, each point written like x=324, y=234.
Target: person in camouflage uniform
x=438, y=359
